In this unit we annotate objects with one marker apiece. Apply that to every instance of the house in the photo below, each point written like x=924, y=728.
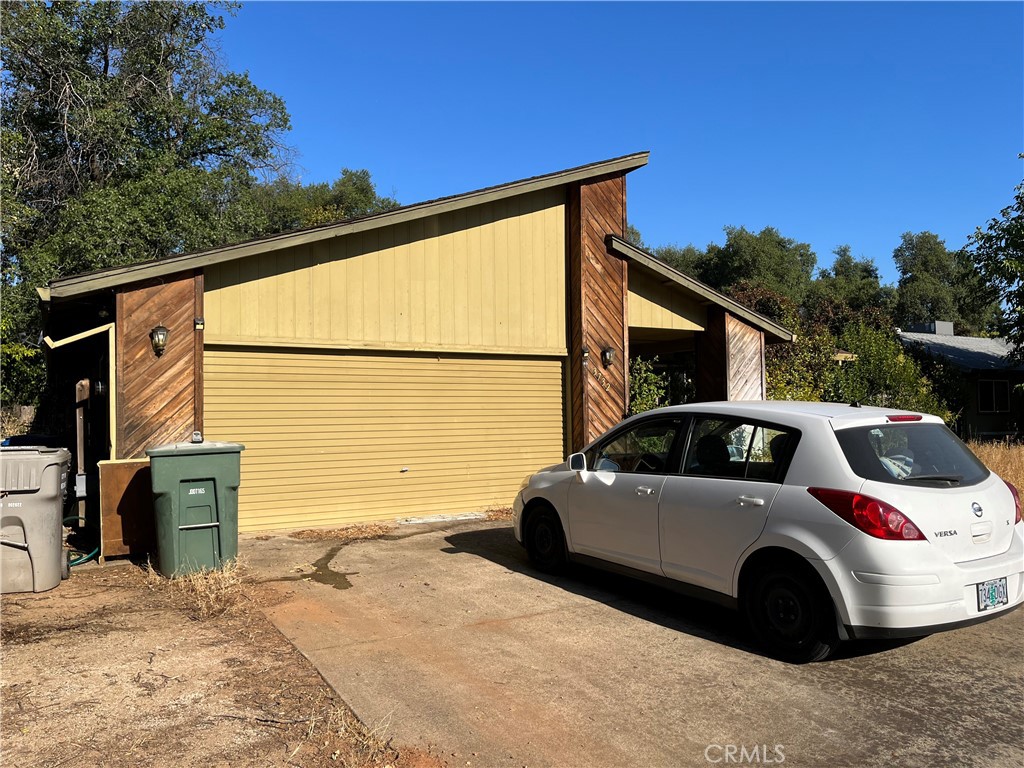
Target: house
x=992, y=387
x=415, y=362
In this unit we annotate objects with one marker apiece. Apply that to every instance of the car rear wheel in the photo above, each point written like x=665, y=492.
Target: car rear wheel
x=545, y=542
x=791, y=615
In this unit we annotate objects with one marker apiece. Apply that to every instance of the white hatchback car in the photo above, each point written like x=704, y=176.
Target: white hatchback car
x=821, y=522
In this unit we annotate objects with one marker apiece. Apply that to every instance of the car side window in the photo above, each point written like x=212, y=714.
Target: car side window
x=735, y=449
x=645, y=448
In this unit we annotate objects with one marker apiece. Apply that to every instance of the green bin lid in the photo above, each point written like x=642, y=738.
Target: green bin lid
x=193, y=449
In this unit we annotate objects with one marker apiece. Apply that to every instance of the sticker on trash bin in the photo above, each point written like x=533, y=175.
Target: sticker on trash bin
x=196, y=491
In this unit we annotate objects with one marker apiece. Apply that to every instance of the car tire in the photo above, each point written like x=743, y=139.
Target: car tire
x=791, y=615
x=545, y=541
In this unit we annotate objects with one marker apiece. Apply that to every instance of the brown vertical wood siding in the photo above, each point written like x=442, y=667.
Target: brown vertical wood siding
x=197, y=363
x=730, y=359
x=746, y=360
x=156, y=396
x=599, y=296
x=577, y=391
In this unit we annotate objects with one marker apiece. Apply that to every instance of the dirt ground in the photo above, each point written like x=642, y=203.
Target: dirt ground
x=118, y=666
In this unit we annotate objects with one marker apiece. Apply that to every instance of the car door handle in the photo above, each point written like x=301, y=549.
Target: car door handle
x=751, y=501
x=643, y=490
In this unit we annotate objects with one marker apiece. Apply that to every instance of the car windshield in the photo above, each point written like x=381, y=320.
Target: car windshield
x=910, y=454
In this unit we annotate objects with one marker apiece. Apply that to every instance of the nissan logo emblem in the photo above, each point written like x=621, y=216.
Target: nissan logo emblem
x=977, y=509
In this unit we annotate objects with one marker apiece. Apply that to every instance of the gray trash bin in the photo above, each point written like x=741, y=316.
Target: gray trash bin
x=31, y=545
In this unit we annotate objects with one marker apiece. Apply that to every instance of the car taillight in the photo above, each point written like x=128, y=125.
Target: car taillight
x=1016, y=501
x=874, y=517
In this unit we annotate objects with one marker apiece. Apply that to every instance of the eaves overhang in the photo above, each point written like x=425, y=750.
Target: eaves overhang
x=112, y=277
x=774, y=333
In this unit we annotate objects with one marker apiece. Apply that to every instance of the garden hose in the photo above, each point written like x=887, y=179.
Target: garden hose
x=81, y=558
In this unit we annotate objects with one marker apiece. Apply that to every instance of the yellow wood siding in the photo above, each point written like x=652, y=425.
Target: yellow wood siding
x=655, y=305
x=489, y=278
x=328, y=435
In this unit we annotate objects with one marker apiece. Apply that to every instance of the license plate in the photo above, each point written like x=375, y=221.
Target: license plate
x=992, y=594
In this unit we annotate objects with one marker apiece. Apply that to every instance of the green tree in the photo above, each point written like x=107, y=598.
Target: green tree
x=22, y=365
x=288, y=204
x=998, y=253
x=849, y=292
x=766, y=259
x=804, y=369
x=647, y=388
x=633, y=237
x=939, y=284
x=123, y=140
x=687, y=259
x=883, y=374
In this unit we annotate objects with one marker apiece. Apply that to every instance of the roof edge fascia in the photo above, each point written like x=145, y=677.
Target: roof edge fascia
x=115, y=276
x=629, y=251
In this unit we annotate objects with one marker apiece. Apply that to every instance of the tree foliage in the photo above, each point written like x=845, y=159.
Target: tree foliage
x=850, y=291
x=998, y=253
x=846, y=308
x=288, y=204
x=883, y=374
x=939, y=284
x=106, y=101
x=766, y=259
x=647, y=388
x=123, y=139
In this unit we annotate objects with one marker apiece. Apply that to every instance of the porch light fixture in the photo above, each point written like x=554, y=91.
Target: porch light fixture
x=158, y=338
x=607, y=356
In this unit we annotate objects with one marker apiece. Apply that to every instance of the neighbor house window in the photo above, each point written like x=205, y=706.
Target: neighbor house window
x=993, y=396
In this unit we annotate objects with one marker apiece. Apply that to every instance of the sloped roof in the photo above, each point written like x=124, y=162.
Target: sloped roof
x=114, y=276
x=703, y=293
x=967, y=352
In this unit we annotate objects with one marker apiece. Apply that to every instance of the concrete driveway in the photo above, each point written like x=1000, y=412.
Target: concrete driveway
x=444, y=634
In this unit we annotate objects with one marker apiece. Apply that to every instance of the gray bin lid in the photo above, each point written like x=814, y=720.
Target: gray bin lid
x=22, y=467
x=194, y=449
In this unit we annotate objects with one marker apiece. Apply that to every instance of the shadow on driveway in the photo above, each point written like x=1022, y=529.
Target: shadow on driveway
x=637, y=598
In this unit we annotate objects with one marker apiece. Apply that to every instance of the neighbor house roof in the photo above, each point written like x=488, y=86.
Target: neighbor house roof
x=967, y=352
x=704, y=293
x=115, y=276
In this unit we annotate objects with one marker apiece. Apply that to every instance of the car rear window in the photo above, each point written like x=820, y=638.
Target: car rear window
x=910, y=454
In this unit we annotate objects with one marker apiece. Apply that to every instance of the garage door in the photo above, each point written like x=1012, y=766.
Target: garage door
x=340, y=438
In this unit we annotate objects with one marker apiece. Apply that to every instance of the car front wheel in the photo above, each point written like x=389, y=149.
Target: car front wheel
x=791, y=615
x=545, y=542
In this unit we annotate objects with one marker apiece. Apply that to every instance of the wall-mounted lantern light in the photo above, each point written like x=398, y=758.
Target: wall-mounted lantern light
x=607, y=356
x=158, y=337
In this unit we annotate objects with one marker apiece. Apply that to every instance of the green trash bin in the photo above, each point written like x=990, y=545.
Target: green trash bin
x=195, y=498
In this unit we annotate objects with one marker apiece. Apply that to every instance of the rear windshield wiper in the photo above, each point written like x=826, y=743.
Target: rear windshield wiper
x=951, y=479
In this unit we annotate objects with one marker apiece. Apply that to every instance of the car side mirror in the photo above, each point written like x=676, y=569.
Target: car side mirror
x=578, y=462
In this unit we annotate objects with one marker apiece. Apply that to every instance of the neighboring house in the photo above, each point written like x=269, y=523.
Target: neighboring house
x=415, y=362
x=992, y=397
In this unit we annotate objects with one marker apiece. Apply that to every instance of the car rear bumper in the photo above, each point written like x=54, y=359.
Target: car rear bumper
x=894, y=633
x=931, y=596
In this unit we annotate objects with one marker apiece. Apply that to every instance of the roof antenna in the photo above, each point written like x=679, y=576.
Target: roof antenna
x=855, y=404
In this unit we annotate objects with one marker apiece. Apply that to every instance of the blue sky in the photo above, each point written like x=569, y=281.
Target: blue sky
x=837, y=123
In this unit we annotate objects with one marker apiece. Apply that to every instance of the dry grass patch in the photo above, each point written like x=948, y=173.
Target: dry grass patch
x=207, y=594
x=1004, y=458
x=499, y=513
x=11, y=423
x=345, y=534
x=138, y=684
